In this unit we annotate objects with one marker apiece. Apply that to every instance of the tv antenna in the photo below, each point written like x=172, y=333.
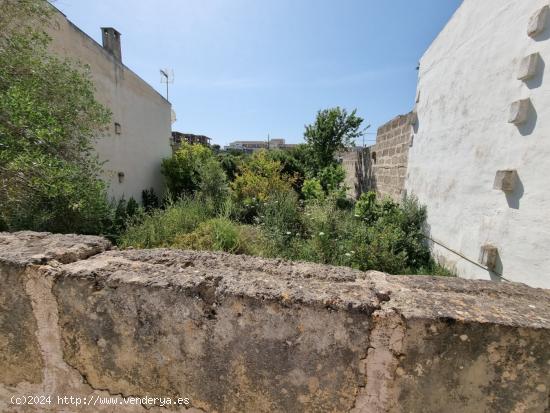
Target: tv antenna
x=166, y=76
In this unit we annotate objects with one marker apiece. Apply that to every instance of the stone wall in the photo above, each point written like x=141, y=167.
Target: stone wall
x=389, y=157
x=356, y=163
x=242, y=334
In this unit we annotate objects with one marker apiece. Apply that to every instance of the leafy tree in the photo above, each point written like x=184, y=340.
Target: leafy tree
x=332, y=131
x=331, y=177
x=182, y=169
x=230, y=162
x=290, y=167
x=259, y=178
x=213, y=188
x=49, y=174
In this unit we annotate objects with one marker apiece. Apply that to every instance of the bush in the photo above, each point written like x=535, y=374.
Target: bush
x=149, y=199
x=258, y=179
x=213, y=188
x=221, y=234
x=281, y=221
x=182, y=169
x=312, y=190
x=48, y=194
x=230, y=162
x=160, y=227
x=332, y=177
x=123, y=212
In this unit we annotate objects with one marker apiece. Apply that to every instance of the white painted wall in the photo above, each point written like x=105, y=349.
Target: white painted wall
x=467, y=81
x=144, y=115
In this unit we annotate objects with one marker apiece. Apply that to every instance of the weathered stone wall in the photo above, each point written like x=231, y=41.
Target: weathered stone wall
x=242, y=334
x=389, y=157
x=356, y=164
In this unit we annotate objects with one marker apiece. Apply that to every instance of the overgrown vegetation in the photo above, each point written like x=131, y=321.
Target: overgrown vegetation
x=289, y=204
x=48, y=120
x=286, y=204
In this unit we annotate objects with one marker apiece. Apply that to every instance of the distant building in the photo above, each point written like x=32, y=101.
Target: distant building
x=179, y=137
x=138, y=138
x=252, y=146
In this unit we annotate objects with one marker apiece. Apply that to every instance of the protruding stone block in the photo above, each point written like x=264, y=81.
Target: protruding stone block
x=506, y=180
x=488, y=256
x=528, y=66
x=519, y=111
x=413, y=118
x=537, y=22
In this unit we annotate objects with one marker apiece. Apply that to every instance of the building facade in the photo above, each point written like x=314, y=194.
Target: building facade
x=252, y=146
x=192, y=139
x=134, y=145
x=480, y=159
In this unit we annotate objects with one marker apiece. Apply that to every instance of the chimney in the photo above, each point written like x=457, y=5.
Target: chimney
x=111, y=42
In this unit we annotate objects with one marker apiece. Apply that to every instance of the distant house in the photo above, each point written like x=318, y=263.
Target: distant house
x=138, y=139
x=252, y=146
x=179, y=137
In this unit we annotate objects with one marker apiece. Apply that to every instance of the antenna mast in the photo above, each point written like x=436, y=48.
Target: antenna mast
x=166, y=76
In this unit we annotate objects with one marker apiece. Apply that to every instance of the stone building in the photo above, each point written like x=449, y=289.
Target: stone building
x=481, y=150
x=139, y=136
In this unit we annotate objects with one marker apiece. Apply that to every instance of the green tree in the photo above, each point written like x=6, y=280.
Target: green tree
x=259, y=178
x=213, y=187
x=333, y=130
x=182, y=169
x=49, y=174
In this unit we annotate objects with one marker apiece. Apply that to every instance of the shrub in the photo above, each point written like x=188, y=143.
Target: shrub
x=213, y=188
x=312, y=190
x=217, y=234
x=281, y=220
x=47, y=194
x=327, y=230
x=290, y=167
x=160, y=227
x=230, y=162
x=257, y=180
x=221, y=234
x=122, y=214
x=149, y=199
x=331, y=177
x=182, y=169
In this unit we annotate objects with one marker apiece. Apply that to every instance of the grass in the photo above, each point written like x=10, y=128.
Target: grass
x=375, y=235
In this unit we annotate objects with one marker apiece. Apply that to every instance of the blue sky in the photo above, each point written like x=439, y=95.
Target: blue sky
x=246, y=68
